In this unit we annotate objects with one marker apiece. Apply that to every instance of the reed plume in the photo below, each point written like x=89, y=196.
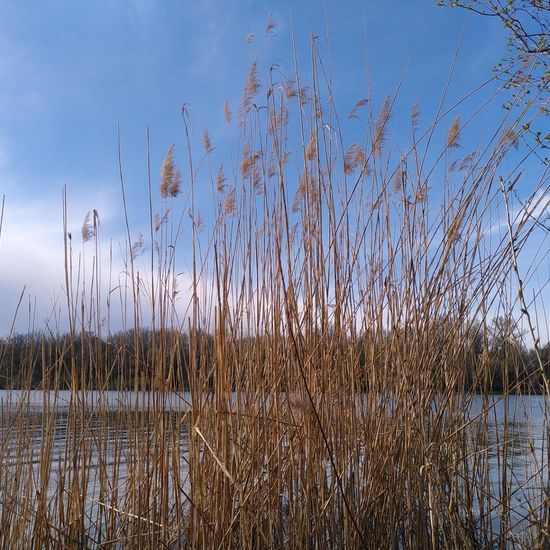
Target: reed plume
x=453, y=139
x=311, y=148
x=88, y=228
x=380, y=128
x=220, y=179
x=354, y=158
x=353, y=113
x=207, y=141
x=415, y=116
x=170, y=181
x=230, y=203
x=271, y=25
x=227, y=114
x=252, y=85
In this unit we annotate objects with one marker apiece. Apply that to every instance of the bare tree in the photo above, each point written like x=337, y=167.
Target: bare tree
x=526, y=68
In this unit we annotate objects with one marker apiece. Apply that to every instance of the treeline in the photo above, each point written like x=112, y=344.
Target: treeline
x=470, y=356
x=124, y=361
x=493, y=360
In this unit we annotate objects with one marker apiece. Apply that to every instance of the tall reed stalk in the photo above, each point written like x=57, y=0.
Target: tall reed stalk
x=334, y=352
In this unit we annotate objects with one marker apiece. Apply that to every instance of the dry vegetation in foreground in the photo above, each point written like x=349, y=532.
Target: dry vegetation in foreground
x=337, y=298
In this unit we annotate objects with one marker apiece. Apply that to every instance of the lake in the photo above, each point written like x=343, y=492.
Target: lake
x=118, y=436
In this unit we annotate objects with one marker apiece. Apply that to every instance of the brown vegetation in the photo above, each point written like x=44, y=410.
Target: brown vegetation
x=333, y=350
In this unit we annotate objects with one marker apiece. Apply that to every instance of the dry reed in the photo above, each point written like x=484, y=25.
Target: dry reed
x=333, y=354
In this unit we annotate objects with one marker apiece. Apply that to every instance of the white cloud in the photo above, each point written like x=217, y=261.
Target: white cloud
x=536, y=207
x=32, y=250
x=32, y=259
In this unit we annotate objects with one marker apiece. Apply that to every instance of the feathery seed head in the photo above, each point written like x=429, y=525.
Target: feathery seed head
x=271, y=25
x=467, y=161
x=137, y=247
x=289, y=89
x=220, y=179
x=229, y=206
x=303, y=95
x=354, y=158
x=256, y=178
x=509, y=138
x=453, y=139
x=246, y=163
x=207, y=142
x=399, y=179
x=356, y=107
x=311, y=148
x=381, y=125
x=175, y=184
x=252, y=85
x=227, y=114
x=199, y=222
x=415, y=116
x=160, y=220
x=308, y=188
x=296, y=202
x=170, y=181
x=88, y=229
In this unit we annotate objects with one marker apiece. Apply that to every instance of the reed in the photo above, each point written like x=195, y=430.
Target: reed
x=320, y=389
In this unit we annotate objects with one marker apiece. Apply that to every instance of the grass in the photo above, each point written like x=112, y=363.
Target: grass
x=335, y=347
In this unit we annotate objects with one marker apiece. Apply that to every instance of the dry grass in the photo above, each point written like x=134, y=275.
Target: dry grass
x=331, y=355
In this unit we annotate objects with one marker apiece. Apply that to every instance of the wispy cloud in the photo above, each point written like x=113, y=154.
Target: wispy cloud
x=536, y=209
x=32, y=251
x=32, y=262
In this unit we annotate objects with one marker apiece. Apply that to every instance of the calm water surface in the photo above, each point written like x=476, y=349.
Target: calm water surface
x=511, y=433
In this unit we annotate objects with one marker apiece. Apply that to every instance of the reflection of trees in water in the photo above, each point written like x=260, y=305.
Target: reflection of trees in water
x=518, y=439
x=106, y=444
x=509, y=455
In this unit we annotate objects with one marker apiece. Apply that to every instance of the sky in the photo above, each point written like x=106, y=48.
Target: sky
x=74, y=74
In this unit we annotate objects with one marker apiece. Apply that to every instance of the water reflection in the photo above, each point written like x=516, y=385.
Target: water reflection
x=509, y=441
x=113, y=437
x=101, y=441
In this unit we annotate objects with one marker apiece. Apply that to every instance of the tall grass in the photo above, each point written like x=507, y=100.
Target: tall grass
x=333, y=348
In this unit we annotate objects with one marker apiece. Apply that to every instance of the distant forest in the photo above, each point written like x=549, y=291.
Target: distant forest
x=147, y=360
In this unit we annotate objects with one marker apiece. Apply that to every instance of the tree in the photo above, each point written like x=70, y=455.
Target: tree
x=527, y=69
x=507, y=353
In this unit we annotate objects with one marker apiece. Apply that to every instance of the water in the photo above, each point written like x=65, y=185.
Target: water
x=35, y=400
x=512, y=432
x=94, y=444
x=116, y=436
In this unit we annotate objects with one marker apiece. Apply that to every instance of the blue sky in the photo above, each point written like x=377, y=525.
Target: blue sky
x=71, y=72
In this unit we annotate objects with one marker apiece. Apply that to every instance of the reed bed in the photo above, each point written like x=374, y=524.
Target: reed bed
x=322, y=388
